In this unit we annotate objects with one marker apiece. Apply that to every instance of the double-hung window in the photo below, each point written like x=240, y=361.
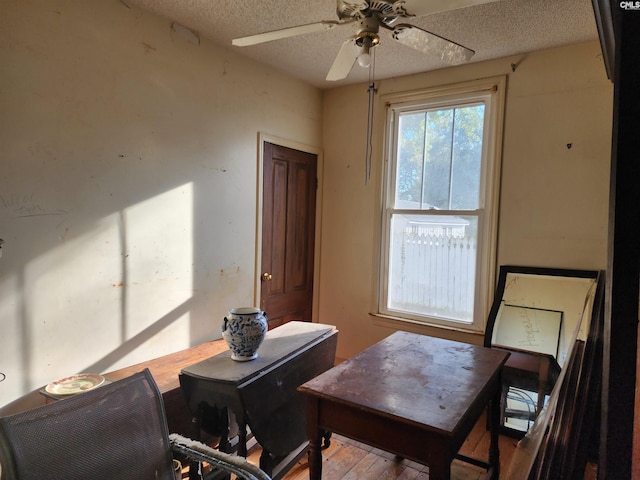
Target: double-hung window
x=437, y=258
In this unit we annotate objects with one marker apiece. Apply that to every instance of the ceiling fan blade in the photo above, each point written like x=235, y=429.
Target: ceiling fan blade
x=285, y=33
x=430, y=43
x=344, y=61
x=418, y=8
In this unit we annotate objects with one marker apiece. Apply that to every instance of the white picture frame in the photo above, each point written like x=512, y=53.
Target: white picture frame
x=530, y=329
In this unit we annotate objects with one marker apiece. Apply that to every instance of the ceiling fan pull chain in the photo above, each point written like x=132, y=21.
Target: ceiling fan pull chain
x=371, y=91
x=367, y=174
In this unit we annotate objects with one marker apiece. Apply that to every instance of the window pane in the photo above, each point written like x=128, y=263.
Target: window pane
x=438, y=159
x=432, y=265
x=410, y=161
x=467, y=157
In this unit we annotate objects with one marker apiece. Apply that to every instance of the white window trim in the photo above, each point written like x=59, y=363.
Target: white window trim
x=489, y=183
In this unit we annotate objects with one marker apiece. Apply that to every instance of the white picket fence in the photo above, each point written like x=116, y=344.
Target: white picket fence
x=433, y=273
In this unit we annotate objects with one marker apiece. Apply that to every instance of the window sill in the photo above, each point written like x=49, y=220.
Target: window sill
x=444, y=331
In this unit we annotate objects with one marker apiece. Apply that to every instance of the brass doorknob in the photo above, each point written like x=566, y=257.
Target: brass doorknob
x=266, y=276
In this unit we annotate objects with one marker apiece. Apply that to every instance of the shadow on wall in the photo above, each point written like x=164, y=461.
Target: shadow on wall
x=129, y=345
x=98, y=296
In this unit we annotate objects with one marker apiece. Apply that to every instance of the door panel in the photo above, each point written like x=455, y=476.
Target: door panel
x=288, y=234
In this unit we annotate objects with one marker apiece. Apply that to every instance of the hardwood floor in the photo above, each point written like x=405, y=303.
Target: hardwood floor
x=346, y=459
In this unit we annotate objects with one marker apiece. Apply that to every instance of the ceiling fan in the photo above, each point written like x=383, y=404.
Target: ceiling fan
x=369, y=16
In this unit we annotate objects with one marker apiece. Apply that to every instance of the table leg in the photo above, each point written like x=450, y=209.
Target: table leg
x=494, y=426
x=440, y=471
x=315, y=435
x=193, y=465
x=315, y=459
x=326, y=439
x=242, y=437
x=543, y=379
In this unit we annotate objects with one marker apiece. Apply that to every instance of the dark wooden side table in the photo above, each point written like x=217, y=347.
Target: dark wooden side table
x=413, y=395
x=262, y=394
x=531, y=371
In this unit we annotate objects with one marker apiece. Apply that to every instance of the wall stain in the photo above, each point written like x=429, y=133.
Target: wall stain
x=148, y=48
x=26, y=206
x=64, y=235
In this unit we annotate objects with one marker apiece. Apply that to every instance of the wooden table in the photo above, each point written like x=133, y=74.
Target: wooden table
x=415, y=396
x=531, y=371
x=262, y=393
x=165, y=372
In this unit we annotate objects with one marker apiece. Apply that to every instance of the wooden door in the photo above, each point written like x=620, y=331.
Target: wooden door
x=288, y=234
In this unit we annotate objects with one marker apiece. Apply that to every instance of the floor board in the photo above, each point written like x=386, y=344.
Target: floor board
x=346, y=459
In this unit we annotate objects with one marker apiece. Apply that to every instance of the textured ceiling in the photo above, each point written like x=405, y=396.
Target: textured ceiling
x=492, y=30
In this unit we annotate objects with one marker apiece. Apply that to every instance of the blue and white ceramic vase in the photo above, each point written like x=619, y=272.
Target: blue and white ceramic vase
x=244, y=330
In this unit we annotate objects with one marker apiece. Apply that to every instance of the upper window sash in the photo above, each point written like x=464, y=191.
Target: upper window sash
x=491, y=93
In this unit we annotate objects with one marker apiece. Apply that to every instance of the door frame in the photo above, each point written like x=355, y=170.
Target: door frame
x=283, y=142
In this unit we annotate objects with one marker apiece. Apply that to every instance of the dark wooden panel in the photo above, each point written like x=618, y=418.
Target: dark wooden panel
x=278, y=230
x=288, y=231
x=623, y=266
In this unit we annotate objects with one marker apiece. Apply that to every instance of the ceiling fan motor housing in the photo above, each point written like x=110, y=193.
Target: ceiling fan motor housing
x=357, y=10
x=368, y=31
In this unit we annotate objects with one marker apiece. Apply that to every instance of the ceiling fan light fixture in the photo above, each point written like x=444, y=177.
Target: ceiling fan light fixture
x=366, y=41
x=364, y=58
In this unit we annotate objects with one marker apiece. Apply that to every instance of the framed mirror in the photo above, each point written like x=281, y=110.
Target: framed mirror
x=536, y=315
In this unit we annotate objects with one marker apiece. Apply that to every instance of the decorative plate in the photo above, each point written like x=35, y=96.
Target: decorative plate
x=75, y=384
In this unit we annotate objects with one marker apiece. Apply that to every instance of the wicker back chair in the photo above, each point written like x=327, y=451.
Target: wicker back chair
x=117, y=431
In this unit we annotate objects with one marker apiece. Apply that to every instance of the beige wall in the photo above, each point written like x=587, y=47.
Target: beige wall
x=129, y=172
x=554, y=198
x=128, y=185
